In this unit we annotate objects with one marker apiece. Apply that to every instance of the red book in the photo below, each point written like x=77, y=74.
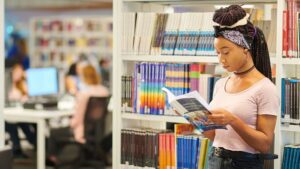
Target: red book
x=285, y=34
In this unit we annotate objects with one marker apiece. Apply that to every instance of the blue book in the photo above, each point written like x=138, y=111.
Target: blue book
x=179, y=152
x=180, y=43
x=152, y=88
x=288, y=157
x=142, y=89
x=188, y=151
x=200, y=44
x=284, y=159
x=297, y=157
x=156, y=89
x=164, y=43
x=198, y=150
x=147, y=85
x=282, y=97
x=293, y=159
x=211, y=44
x=194, y=151
x=135, y=97
x=161, y=77
x=163, y=82
x=205, y=43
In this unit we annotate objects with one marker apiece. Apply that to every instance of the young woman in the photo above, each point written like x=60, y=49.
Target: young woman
x=93, y=88
x=72, y=80
x=18, y=93
x=246, y=101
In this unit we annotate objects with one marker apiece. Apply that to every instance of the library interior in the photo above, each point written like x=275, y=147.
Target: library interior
x=154, y=84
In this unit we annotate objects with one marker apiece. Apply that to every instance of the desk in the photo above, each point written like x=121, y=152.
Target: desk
x=39, y=117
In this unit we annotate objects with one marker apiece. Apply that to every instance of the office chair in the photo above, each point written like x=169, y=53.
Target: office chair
x=89, y=155
x=94, y=127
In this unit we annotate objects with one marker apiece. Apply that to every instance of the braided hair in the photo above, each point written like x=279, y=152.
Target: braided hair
x=253, y=35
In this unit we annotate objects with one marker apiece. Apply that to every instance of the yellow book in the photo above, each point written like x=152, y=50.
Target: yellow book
x=173, y=155
x=202, y=155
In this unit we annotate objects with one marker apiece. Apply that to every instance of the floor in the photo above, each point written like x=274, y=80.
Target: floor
x=30, y=163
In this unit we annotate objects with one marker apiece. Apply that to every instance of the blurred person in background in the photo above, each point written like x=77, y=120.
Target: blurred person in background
x=105, y=71
x=18, y=93
x=93, y=88
x=17, y=51
x=72, y=80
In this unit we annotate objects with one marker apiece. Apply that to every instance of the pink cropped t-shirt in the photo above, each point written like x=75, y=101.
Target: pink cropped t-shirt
x=259, y=99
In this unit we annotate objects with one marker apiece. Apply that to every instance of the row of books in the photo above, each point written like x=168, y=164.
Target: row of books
x=71, y=25
x=139, y=148
x=61, y=59
x=291, y=157
x=163, y=149
x=290, y=100
x=290, y=38
x=189, y=34
x=141, y=92
x=59, y=41
x=169, y=34
x=47, y=42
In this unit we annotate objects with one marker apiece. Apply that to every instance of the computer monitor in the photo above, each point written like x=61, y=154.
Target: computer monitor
x=42, y=81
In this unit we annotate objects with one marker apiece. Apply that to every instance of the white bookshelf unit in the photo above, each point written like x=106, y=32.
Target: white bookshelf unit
x=61, y=40
x=123, y=62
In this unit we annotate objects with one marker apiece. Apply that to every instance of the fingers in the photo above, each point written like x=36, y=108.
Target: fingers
x=217, y=118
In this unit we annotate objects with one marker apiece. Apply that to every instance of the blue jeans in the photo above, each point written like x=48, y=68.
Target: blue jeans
x=215, y=162
x=28, y=129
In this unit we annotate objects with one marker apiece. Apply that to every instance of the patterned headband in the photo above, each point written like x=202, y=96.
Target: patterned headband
x=235, y=37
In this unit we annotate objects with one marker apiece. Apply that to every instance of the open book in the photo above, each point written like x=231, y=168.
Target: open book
x=192, y=107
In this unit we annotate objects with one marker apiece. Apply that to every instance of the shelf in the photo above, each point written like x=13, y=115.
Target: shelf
x=191, y=2
x=86, y=49
x=180, y=59
x=173, y=59
x=157, y=118
x=103, y=34
x=291, y=128
x=89, y=34
x=291, y=61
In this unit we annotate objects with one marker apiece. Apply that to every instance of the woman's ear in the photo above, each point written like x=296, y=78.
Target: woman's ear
x=245, y=50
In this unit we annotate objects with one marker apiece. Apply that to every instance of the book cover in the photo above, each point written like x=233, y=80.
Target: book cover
x=193, y=108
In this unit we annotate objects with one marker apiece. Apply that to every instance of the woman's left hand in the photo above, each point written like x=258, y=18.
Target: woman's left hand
x=221, y=117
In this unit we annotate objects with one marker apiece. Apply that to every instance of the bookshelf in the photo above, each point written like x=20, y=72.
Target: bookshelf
x=289, y=70
x=124, y=62
x=59, y=41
